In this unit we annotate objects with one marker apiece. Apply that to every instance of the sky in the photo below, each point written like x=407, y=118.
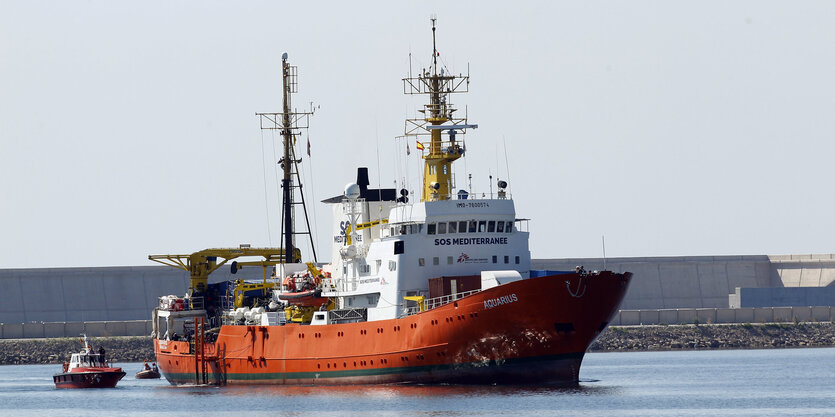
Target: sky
x=669, y=128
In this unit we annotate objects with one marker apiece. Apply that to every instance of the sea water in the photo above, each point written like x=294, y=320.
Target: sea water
x=782, y=382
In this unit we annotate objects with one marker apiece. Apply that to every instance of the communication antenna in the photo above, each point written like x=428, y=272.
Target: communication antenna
x=491, y=185
x=603, y=238
x=288, y=122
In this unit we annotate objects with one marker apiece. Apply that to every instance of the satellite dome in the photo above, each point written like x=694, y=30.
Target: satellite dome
x=352, y=191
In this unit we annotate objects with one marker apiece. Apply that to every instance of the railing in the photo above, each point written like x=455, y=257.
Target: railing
x=168, y=303
x=436, y=302
x=500, y=195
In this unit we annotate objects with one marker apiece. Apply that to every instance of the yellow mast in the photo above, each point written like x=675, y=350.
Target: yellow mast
x=438, y=158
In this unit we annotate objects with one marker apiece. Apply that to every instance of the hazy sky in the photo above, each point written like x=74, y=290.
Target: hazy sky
x=672, y=128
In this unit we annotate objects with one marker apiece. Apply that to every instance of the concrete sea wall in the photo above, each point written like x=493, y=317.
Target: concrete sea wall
x=73, y=329
x=723, y=315
x=704, y=281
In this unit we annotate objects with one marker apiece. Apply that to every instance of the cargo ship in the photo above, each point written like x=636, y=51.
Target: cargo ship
x=434, y=291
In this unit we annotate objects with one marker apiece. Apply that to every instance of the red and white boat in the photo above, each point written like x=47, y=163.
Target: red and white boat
x=439, y=290
x=88, y=369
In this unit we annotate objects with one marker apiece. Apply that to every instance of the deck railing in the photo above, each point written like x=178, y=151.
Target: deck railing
x=432, y=303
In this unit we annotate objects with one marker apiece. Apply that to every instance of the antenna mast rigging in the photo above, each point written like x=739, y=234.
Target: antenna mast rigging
x=289, y=122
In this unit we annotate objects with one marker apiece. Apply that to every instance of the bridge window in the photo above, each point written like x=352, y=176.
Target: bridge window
x=500, y=227
x=495, y=259
x=473, y=226
x=491, y=226
x=441, y=228
x=482, y=226
x=508, y=227
x=452, y=228
x=462, y=227
x=506, y=259
x=430, y=229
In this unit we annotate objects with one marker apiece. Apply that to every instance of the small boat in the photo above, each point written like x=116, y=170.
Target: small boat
x=87, y=369
x=304, y=298
x=148, y=374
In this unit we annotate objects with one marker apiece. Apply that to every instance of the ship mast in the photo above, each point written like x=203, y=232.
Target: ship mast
x=438, y=158
x=289, y=122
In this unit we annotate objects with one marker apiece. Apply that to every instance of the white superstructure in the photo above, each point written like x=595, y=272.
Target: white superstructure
x=409, y=243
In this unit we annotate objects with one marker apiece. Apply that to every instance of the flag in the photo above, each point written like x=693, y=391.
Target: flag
x=419, y=145
x=308, y=147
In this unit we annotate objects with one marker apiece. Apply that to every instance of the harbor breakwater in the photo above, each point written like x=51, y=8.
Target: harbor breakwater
x=715, y=336
x=614, y=339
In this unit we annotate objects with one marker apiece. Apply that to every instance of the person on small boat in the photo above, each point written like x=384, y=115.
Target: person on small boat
x=147, y=368
x=155, y=367
x=101, y=355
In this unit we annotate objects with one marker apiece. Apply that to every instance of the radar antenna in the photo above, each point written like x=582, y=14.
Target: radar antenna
x=437, y=117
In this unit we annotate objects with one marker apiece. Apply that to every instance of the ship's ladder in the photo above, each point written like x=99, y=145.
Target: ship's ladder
x=201, y=373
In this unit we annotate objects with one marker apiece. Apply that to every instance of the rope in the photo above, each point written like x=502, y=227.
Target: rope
x=266, y=194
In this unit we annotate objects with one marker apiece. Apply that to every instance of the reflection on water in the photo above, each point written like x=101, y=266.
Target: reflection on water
x=382, y=392
x=727, y=383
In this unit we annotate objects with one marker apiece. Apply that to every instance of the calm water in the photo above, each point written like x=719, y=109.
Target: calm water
x=719, y=383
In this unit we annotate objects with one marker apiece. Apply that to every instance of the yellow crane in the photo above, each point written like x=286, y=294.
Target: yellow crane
x=202, y=263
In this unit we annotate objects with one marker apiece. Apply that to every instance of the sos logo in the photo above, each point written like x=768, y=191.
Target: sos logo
x=343, y=225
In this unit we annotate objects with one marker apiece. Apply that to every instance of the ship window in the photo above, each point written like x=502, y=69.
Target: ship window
x=491, y=226
x=399, y=247
x=462, y=227
x=495, y=258
x=392, y=265
x=449, y=260
x=441, y=228
x=452, y=228
x=500, y=227
x=482, y=226
x=446, y=169
x=517, y=260
x=350, y=300
x=421, y=262
x=430, y=229
x=379, y=263
x=506, y=259
x=432, y=169
x=473, y=226
x=372, y=299
x=435, y=261
x=508, y=227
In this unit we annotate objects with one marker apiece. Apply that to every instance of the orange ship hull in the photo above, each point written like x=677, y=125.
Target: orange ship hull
x=530, y=331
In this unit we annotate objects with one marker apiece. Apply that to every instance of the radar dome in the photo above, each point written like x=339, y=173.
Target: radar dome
x=352, y=191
